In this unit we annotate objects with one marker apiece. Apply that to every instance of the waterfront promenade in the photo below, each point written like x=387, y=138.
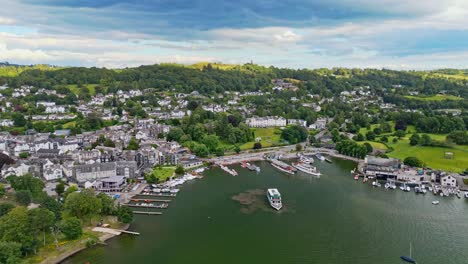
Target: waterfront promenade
x=287, y=152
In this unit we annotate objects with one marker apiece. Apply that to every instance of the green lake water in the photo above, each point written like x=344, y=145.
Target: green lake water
x=333, y=219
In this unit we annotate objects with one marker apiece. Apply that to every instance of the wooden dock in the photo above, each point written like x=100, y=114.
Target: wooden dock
x=113, y=231
x=147, y=213
x=159, y=194
x=145, y=206
x=151, y=200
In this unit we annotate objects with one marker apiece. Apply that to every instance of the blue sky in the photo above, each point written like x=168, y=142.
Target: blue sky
x=400, y=34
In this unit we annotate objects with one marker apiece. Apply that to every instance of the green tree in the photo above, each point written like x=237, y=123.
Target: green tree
x=5, y=208
x=368, y=147
x=2, y=190
x=52, y=205
x=425, y=140
x=384, y=139
x=10, y=252
x=257, y=145
x=237, y=149
x=24, y=155
x=211, y=142
x=125, y=214
x=400, y=133
x=370, y=135
x=60, y=188
x=360, y=137
x=415, y=139
x=71, y=228
x=298, y=147
x=16, y=227
x=413, y=162
x=18, y=119
x=179, y=170
x=133, y=144
x=174, y=134
x=41, y=220
x=29, y=183
x=71, y=189
x=108, y=205
x=83, y=204
x=23, y=197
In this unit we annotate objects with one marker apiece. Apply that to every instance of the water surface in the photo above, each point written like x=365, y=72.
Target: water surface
x=334, y=219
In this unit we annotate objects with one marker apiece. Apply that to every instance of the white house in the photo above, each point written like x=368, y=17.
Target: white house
x=448, y=181
x=45, y=104
x=6, y=123
x=321, y=123
x=299, y=122
x=19, y=170
x=268, y=121
x=55, y=109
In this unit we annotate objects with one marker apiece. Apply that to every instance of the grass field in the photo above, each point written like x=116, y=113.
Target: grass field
x=70, y=124
x=270, y=137
x=375, y=145
x=163, y=173
x=432, y=156
x=74, y=88
x=437, y=97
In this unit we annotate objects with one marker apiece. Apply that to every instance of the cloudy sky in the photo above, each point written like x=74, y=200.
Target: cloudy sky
x=400, y=34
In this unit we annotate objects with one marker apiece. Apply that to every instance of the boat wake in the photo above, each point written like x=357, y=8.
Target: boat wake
x=254, y=200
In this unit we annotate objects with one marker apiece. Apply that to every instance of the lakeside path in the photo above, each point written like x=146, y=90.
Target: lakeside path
x=77, y=247
x=285, y=151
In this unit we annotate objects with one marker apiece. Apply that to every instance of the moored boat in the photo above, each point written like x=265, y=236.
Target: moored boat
x=435, y=202
x=284, y=167
x=306, y=168
x=320, y=157
x=274, y=197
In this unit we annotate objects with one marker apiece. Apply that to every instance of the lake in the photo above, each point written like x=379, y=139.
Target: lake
x=331, y=219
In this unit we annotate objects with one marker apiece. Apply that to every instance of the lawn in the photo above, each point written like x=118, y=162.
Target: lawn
x=269, y=137
x=432, y=156
x=69, y=125
x=74, y=88
x=437, y=97
x=163, y=173
x=375, y=145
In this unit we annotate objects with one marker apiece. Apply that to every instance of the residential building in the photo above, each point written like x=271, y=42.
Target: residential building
x=268, y=121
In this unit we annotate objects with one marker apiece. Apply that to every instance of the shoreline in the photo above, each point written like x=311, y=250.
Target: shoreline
x=67, y=254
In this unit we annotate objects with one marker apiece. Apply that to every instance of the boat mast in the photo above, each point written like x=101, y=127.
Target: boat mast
x=410, y=249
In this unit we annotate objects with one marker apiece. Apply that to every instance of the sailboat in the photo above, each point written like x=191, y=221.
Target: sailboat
x=408, y=259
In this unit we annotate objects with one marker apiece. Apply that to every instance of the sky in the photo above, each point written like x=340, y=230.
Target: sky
x=397, y=34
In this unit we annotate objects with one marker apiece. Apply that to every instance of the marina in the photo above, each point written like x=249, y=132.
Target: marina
x=318, y=217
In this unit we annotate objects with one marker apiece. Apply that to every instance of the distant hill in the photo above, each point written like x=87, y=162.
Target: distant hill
x=12, y=70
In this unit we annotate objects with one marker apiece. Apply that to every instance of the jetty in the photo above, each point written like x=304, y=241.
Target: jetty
x=230, y=171
x=113, y=231
x=158, y=194
x=162, y=206
x=147, y=213
x=151, y=200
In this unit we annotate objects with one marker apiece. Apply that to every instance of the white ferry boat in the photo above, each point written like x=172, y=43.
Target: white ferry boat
x=284, y=167
x=306, y=168
x=274, y=197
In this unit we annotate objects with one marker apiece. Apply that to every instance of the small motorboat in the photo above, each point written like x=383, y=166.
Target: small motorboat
x=435, y=202
x=408, y=259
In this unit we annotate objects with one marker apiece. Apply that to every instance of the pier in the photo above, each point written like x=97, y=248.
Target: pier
x=230, y=171
x=158, y=194
x=164, y=206
x=147, y=213
x=151, y=200
x=113, y=231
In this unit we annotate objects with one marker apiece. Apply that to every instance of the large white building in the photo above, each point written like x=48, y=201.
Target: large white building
x=448, y=181
x=268, y=121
